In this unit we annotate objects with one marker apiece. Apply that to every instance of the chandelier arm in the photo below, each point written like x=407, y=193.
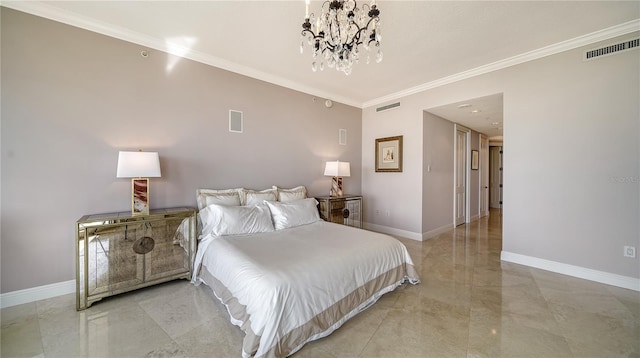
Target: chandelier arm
x=369, y=22
x=314, y=36
x=356, y=36
x=373, y=31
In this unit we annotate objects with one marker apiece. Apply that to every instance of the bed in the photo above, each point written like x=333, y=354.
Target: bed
x=285, y=276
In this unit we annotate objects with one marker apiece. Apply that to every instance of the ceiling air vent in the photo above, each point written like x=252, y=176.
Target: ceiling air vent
x=611, y=49
x=388, y=107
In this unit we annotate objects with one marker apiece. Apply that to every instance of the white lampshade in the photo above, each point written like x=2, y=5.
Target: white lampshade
x=337, y=169
x=138, y=165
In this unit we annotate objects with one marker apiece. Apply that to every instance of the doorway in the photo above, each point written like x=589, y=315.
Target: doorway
x=481, y=118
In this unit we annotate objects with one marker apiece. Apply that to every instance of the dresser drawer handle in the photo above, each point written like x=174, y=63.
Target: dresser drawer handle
x=143, y=245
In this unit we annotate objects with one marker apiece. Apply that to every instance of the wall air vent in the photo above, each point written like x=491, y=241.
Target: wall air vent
x=611, y=49
x=388, y=107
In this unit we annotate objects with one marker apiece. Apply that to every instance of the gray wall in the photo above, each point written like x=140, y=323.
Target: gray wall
x=71, y=99
x=438, y=184
x=437, y=195
x=576, y=195
x=572, y=140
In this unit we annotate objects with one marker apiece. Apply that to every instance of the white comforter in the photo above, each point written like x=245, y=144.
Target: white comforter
x=292, y=286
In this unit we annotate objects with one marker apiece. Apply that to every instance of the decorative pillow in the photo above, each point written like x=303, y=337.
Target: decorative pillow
x=235, y=220
x=226, y=197
x=252, y=197
x=293, y=213
x=297, y=193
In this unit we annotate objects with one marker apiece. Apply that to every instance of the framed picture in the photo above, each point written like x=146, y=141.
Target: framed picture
x=389, y=154
x=474, y=160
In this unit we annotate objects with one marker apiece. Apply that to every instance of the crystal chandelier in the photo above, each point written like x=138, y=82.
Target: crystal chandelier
x=335, y=35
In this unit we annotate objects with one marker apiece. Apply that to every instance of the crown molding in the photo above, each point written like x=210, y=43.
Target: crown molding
x=602, y=35
x=45, y=10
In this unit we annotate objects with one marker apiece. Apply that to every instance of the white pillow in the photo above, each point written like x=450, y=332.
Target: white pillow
x=227, y=197
x=297, y=193
x=253, y=197
x=293, y=213
x=235, y=220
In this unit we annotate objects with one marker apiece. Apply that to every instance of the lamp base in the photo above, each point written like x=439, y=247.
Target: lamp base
x=140, y=196
x=336, y=186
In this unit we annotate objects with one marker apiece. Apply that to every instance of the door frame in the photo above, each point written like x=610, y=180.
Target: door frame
x=483, y=200
x=467, y=173
x=495, y=186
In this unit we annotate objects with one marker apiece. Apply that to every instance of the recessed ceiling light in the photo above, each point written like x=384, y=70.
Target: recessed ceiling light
x=475, y=111
x=464, y=105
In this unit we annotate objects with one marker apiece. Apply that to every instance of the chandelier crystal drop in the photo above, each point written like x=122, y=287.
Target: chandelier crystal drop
x=335, y=35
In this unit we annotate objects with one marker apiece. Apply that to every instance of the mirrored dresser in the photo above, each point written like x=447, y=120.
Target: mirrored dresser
x=120, y=252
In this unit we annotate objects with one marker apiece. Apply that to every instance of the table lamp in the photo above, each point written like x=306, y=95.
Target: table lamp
x=337, y=170
x=139, y=166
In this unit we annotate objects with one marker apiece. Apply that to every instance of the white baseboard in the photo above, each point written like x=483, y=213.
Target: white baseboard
x=435, y=232
x=409, y=234
x=571, y=270
x=37, y=293
x=62, y=288
x=393, y=231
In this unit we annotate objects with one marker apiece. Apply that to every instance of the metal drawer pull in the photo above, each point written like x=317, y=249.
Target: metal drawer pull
x=143, y=245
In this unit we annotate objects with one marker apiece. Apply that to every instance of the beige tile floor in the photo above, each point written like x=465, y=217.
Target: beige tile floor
x=469, y=304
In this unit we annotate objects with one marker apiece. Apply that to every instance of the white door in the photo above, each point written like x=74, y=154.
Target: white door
x=484, y=176
x=460, y=202
x=495, y=179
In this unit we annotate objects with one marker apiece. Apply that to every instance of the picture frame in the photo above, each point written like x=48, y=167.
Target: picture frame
x=475, y=159
x=389, y=154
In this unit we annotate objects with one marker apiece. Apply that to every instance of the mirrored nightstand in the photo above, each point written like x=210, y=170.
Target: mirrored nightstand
x=346, y=209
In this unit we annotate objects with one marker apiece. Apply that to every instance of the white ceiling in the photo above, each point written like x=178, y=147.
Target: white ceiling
x=425, y=43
